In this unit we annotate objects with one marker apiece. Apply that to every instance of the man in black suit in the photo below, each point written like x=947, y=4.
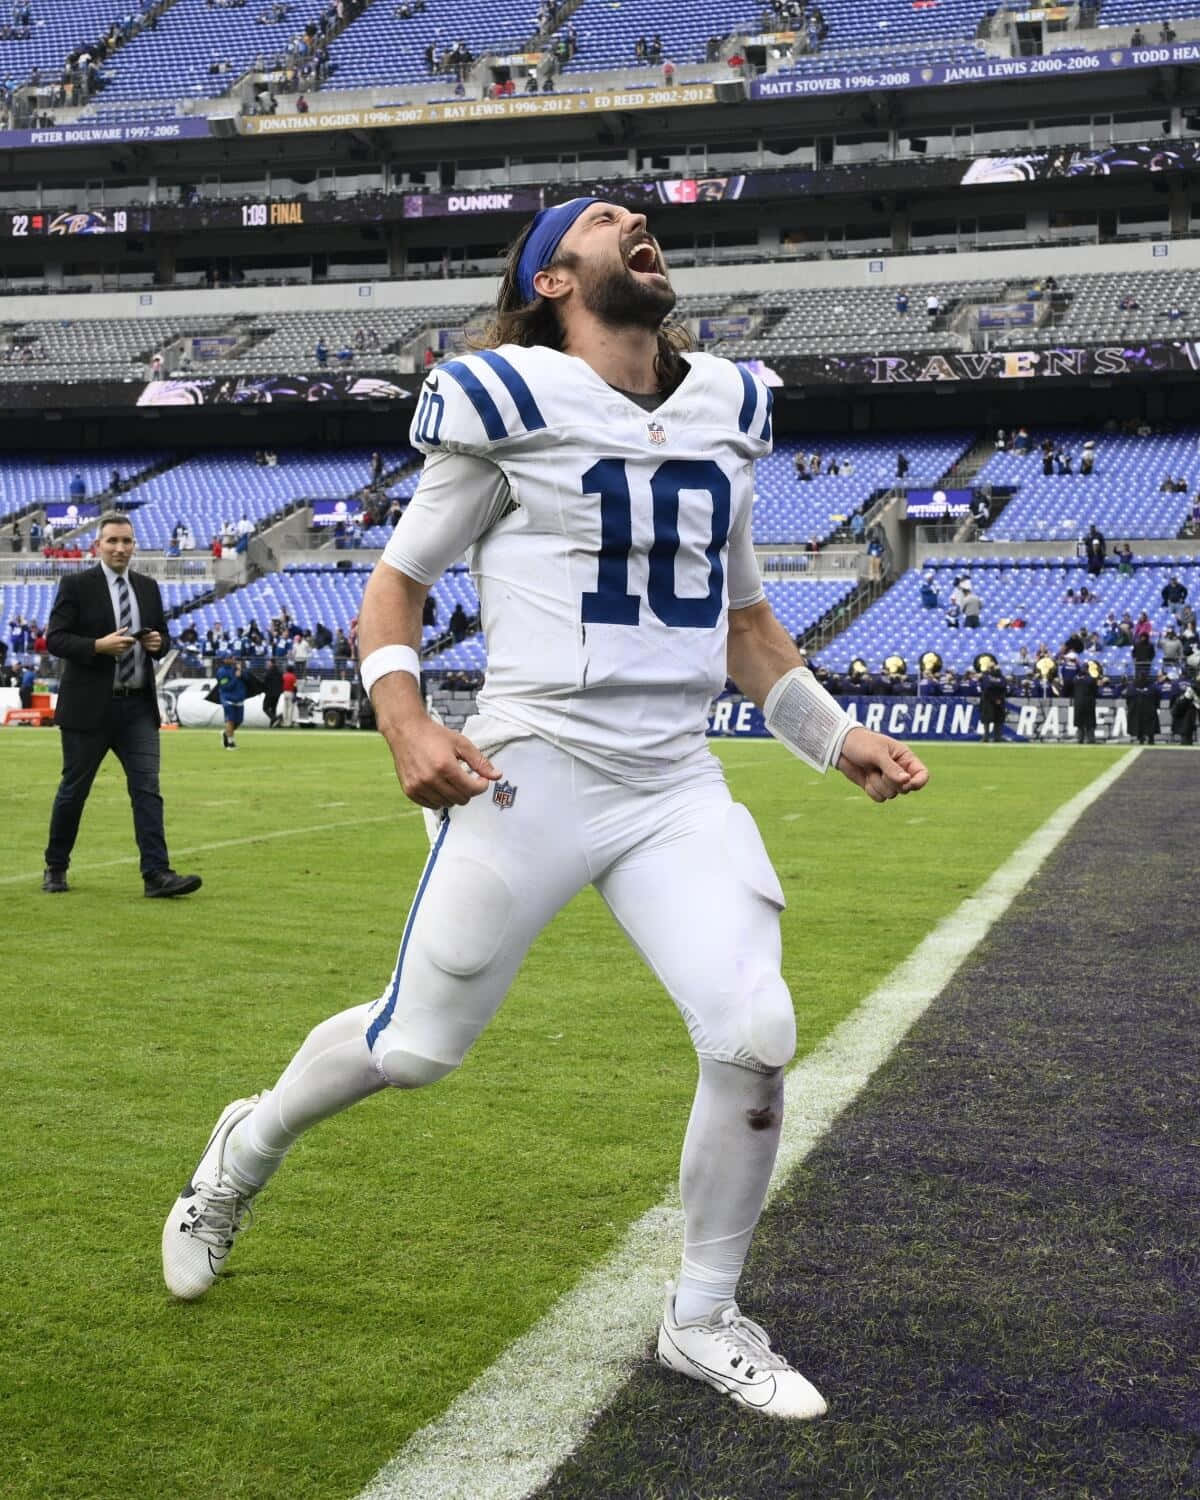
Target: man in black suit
x=108, y=625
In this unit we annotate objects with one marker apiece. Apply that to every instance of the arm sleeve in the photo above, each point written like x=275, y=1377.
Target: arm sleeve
x=458, y=499
x=745, y=584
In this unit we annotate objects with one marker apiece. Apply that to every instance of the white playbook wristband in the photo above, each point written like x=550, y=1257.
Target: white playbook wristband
x=801, y=714
x=385, y=660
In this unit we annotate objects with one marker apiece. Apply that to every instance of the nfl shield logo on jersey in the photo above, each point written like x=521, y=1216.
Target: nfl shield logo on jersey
x=657, y=433
x=504, y=794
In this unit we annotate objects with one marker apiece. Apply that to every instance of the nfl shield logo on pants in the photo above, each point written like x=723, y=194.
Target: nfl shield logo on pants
x=504, y=794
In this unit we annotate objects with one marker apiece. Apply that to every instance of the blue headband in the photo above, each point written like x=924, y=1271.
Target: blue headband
x=545, y=236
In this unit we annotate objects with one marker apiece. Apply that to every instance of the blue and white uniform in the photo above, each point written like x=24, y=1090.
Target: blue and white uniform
x=608, y=544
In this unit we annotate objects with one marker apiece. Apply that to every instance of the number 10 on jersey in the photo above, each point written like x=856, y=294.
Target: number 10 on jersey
x=611, y=603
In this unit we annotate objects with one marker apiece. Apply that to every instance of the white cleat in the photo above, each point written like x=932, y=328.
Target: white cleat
x=734, y=1355
x=207, y=1215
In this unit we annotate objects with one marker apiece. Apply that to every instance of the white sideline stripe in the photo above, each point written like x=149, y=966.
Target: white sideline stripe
x=250, y=838
x=505, y=1435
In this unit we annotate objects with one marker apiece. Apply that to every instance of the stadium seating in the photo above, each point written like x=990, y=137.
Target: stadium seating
x=1122, y=496
x=380, y=48
x=1093, y=311
x=320, y=595
x=800, y=604
x=1125, y=12
x=207, y=490
x=608, y=34
x=174, y=59
x=791, y=510
x=59, y=26
x=33, y=601
x=1032, y=589
x=27, y=480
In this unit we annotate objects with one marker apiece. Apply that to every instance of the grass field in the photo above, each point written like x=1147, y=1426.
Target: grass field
x=408, y=1241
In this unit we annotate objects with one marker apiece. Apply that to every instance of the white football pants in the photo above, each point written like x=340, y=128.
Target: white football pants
x=683, y=870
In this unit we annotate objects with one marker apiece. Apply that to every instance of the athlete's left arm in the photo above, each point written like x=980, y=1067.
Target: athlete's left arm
x=760, y=652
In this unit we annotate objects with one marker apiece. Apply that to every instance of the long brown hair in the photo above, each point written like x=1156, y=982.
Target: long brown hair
x=536, y=323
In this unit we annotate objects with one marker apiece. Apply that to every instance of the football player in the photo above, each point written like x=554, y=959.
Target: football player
x=600, y=480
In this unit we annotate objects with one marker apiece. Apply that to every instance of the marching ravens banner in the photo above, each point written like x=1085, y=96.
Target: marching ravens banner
x=948, y=718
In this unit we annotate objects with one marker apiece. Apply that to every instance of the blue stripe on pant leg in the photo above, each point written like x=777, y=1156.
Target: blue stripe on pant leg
x=389, y=1005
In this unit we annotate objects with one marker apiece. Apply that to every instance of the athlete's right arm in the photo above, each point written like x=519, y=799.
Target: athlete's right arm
x=458, y=498
x=436, y=766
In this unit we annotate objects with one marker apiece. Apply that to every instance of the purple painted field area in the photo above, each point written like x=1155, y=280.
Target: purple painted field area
x=989, y=1267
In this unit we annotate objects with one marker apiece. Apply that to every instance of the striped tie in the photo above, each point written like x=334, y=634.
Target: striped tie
x=125, y=664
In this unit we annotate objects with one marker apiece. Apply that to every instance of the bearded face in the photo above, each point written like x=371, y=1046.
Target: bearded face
x=632, y=292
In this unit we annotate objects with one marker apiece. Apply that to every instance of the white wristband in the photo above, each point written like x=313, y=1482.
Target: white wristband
x=385, y=660
x=811, y=723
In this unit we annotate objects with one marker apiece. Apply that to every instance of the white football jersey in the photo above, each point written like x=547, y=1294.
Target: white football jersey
x=606, y=580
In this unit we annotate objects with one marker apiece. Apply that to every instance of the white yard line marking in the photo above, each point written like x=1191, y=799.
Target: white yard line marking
x=506, y=1434
x=250, y=838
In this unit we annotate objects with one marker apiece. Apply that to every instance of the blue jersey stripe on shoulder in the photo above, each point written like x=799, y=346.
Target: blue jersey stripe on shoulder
x=476, y=391
x=749, y=400
x=514, y=381
x=765, y=433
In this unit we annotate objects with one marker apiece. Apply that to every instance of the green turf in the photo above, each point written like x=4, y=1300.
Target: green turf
x=409, y=1240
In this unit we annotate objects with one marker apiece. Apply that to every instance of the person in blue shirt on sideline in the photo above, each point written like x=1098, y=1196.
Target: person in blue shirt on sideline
x=232, y=687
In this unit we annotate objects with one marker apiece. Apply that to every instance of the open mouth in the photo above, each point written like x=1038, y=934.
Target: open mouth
x=643, y=260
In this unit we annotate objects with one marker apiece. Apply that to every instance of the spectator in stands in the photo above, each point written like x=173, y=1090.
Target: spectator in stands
x=902, y=465
x=1174, y=313
x=1047, y=459
x=303, y=649
x=668, y=74
x=429, y=358
x=1021, y=442
x=322, y=352
x=1138, y=38
x=902, y=301
x=1112, y=634
x=301, y=105
x=1143, y=631
x=639, y=50
x=1063, y=461
x=459, y=624
x=429, y=612
x=114, y=482
x=1087, y=459
x=655, y=50
x=1173, y=592
x=78, y=487
x=972, y=607
x=345, y=355
x=1166, y=34
x=1124, y=553
x=1170, y=647
x=1001, y=443
x=1126, y=630
x=376, y=468
x=341, y=646
x=933, y=305
x=929, y=598
x=1129, y=303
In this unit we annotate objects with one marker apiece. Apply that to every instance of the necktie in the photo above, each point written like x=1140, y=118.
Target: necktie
x=125, y=664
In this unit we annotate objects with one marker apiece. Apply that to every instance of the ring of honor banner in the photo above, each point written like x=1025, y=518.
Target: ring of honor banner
x=1067, y=63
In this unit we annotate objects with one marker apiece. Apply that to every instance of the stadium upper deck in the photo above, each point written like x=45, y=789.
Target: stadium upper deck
x=197, y=49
